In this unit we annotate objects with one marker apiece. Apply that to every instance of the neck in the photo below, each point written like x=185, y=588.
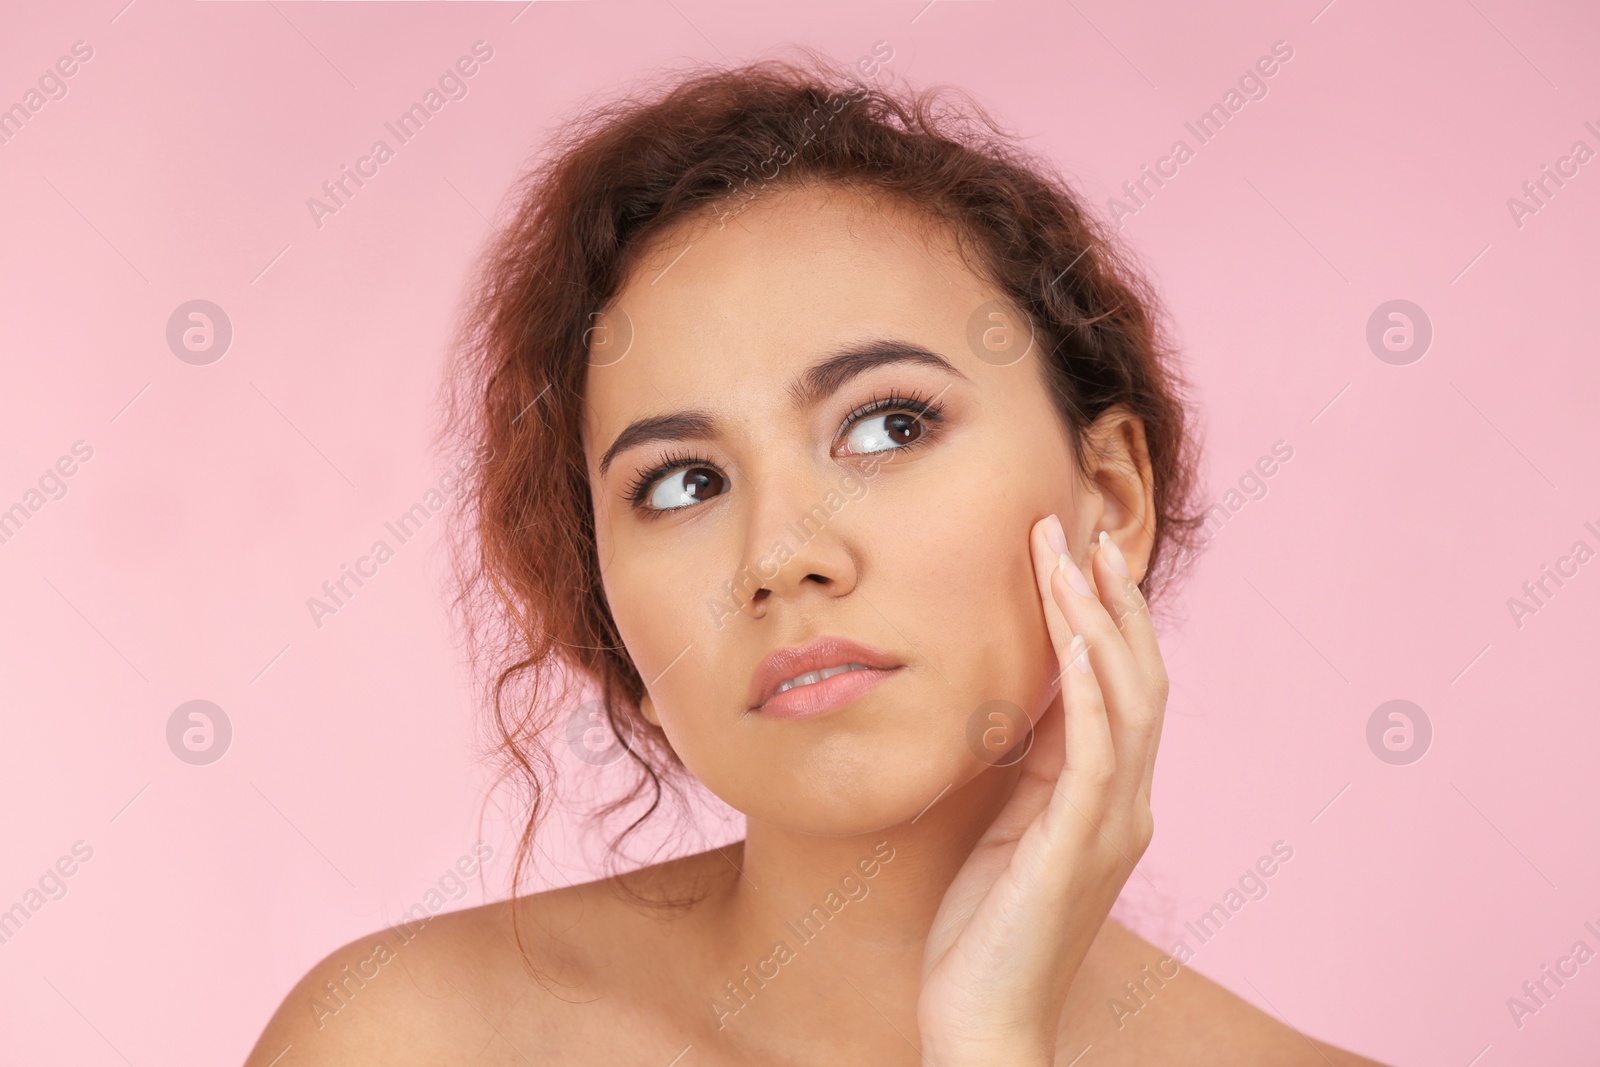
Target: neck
x=833, y=927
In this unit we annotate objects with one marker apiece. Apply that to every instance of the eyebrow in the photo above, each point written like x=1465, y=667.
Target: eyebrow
x=815, y=384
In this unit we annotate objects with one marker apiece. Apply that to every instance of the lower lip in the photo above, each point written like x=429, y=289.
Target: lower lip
x=830, y=694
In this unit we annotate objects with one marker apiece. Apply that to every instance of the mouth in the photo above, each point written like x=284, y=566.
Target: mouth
x=823, y=676
x=813, y=677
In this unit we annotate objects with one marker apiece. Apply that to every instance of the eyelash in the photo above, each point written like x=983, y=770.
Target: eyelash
x=915, y=403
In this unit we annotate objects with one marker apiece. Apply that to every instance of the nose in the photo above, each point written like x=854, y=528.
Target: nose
x=795, y=543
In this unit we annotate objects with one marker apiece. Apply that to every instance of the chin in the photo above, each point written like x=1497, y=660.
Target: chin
x=857, y=771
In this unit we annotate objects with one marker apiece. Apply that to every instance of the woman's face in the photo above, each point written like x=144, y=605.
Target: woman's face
x=784, y=490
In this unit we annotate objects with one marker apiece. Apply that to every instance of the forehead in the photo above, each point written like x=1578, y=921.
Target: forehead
x=736, y=305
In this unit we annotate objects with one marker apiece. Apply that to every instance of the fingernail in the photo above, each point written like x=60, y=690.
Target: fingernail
x=1075, y=577
x=1078, y=653
x=1114, y=555
x=1054, y=536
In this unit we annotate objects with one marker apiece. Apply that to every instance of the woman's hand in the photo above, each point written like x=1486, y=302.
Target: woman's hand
x=1023, y=910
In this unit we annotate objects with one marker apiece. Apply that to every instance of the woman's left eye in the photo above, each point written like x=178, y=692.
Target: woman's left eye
x=884, y=433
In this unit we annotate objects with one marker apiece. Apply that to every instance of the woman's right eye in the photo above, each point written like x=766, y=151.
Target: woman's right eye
x=683, y=487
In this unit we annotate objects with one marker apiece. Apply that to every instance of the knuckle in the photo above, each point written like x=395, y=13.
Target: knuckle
x=1095, y=774
x=1144, y=825
x=1160, y=683
x=1148, y=727
x=1137, y=830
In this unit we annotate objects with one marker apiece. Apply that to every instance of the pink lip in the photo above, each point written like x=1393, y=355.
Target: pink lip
x=818, y=698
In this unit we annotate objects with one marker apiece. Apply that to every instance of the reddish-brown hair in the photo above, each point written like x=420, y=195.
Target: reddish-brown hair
x=622, y=172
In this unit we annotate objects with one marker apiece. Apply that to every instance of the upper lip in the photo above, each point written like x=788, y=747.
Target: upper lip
x=785, y=663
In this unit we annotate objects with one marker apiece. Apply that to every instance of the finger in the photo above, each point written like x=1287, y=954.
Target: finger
x=1042, y=546
x=1090, y=755
x=1121, y=596
x=1091, y=758
x=1128, y=697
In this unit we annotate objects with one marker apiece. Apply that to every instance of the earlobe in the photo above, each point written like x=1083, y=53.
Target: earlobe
x=647, y=708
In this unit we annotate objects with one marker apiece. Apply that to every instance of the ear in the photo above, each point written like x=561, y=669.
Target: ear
x=1121, y=497
x=647, y=708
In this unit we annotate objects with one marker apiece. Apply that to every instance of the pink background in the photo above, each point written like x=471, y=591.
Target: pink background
x=218, y=498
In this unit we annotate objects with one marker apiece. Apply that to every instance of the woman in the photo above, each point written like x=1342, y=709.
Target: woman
x=834, y=449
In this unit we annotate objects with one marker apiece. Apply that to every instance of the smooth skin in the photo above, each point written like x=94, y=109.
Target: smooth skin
x=983, y=937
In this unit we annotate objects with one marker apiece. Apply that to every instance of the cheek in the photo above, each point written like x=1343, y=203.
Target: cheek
x=988, y=598
x=667, y=601
x=660, y=607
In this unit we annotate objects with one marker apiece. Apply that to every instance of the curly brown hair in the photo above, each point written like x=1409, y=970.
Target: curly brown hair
x=529, y=578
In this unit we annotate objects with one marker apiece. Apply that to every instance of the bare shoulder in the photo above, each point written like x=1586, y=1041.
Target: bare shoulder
x=1134, y=1002
x=470, y=985
x=401, y=995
